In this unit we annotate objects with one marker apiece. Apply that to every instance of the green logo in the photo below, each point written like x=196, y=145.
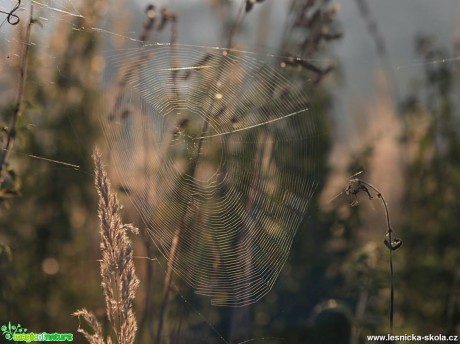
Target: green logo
x=10, y=330
x=18, y=333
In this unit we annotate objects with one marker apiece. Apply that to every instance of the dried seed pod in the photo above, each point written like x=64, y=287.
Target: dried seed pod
x=166, y=16
x=393, y=245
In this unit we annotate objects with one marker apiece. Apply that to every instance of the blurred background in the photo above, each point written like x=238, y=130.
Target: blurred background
x=382, y=79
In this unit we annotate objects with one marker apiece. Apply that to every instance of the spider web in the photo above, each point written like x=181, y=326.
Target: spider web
x=216, y=149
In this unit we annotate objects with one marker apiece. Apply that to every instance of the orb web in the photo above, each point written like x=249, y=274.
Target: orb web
x=217, y=151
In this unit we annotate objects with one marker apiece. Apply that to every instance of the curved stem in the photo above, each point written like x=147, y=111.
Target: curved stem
x=363, y=184
x=385, y=205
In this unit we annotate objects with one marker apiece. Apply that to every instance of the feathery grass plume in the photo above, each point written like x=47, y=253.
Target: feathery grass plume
x=119, y=280
x=97, y=337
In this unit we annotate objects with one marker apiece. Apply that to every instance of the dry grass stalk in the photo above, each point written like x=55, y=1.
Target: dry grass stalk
x=119, y=280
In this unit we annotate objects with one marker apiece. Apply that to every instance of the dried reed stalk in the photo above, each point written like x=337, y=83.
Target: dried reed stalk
x=119, y=280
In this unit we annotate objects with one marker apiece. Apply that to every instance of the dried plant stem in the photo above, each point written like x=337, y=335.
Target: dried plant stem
x=149, y=23
x=147, y=313
x=168, y=282
x=19, y=97
x=372, y=27
x=236, y=24
x=191, y=172
x=133, y=67
x=390, y=240
x=357, y=185
x=176, y=240
x=240, y=322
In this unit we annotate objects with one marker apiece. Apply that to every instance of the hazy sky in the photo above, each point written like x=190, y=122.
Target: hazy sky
x=398, y=21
